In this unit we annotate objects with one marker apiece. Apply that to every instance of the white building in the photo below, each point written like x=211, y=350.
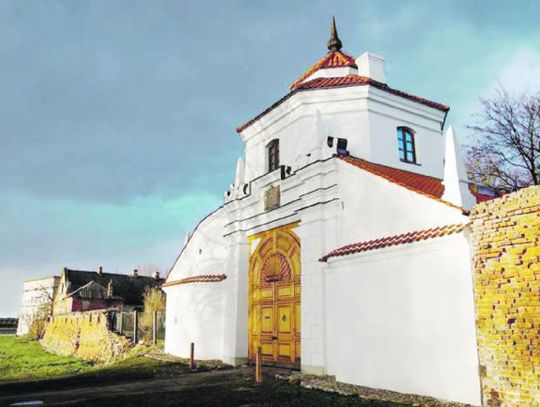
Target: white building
x=37, y=299
x=342, y=246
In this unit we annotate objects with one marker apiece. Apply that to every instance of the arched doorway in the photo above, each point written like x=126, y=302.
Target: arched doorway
x=274, y=296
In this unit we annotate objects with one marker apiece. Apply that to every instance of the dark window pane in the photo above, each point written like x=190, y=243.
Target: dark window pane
x=273, y=155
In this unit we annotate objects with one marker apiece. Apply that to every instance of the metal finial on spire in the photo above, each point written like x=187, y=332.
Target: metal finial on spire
x=334, y=43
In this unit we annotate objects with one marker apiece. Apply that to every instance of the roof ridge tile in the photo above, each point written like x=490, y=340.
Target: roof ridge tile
x=395, y=240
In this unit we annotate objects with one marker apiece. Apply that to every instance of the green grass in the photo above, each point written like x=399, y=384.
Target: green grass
x=22, y=359
x=25, y=361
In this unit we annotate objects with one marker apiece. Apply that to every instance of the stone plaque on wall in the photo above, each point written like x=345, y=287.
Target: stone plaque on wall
x=271, y=198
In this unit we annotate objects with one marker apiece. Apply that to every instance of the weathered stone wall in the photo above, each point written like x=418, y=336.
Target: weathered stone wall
x=506, y=255
x=84, y=335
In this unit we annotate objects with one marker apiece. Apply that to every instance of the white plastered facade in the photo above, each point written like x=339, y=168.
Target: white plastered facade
x=36, y=301
x=401, y=318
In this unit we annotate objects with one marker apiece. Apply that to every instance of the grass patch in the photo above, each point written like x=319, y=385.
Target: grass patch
x=22, y=359
x=25, y=363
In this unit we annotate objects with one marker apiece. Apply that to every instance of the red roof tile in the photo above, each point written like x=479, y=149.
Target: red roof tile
x=205, y=278
x=422, y=184
x=395, y=240
x=356, y=80
x=343, y=81
x=334, y=59
x=482, y=197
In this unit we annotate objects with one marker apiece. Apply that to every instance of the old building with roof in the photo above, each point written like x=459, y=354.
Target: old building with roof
x=80, y=290
x=342, y=247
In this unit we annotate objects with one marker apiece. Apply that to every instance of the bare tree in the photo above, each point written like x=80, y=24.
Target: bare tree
x=37, y=321
x=505, y=153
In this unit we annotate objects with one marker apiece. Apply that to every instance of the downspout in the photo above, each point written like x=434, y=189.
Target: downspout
x=444, y=120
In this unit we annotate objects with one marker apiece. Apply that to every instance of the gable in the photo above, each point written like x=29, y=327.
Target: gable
x=380, y=202
x=204, y=252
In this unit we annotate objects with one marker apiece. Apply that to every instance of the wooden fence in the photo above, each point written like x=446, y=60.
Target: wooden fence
x=133, y=326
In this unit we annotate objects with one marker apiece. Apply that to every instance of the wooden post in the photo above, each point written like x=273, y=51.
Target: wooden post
x=121, y=324
x=135, y=326
x=258, y=366
x=192, y=356
x=154, y=327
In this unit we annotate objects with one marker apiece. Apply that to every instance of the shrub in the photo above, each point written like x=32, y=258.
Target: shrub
x=37, y=328
x=154, y=300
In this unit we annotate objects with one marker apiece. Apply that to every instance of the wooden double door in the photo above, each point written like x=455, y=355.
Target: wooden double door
x=274, y=296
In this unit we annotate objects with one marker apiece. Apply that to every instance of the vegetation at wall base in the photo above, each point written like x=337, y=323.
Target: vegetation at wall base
x=24, y=359
x=154, y=301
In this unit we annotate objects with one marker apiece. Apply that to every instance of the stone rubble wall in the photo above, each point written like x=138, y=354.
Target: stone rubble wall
x=85, y=335
x=506, y=259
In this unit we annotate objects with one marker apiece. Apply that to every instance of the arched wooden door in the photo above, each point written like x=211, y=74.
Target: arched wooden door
x=274, y=296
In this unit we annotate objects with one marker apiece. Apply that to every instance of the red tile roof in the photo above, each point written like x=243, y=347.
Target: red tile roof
x=423, y=184
x=395, y=240
x=334, y=59
x=482, y=197
x=205, y=278
x=341, y=82
x=356, y=80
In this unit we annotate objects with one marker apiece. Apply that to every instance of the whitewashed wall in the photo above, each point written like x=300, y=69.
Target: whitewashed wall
x=195, y=314
x=36, y=298
x=195, y=311
x=373, y=207
x=367, y=117
x=387, y=113
x=402, y=319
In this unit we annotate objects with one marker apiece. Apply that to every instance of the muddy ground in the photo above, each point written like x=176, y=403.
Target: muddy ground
x=178, y=387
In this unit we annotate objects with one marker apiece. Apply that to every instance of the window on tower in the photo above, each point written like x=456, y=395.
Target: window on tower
x=407, y=152
x=273, y=155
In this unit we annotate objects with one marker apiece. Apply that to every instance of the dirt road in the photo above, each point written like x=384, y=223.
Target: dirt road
x=232, y=387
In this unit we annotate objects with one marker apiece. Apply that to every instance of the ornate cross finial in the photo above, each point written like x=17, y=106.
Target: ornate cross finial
x=334, y=43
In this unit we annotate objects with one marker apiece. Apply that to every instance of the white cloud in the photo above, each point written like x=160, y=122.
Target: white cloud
x=519, y=73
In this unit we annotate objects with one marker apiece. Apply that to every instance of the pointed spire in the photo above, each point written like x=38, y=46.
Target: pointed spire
x=334, y=43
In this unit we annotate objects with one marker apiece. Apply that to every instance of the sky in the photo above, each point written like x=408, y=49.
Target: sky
x=117, y=117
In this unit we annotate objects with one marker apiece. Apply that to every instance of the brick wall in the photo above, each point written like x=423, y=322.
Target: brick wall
x=506, y=257
x=85, y=335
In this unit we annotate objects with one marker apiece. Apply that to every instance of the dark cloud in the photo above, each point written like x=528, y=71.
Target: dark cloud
x=106, y=104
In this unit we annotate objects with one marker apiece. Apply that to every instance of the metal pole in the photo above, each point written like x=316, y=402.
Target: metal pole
x=135, y=326
x=258, y=366
x=192, y=356
x=154, y=327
